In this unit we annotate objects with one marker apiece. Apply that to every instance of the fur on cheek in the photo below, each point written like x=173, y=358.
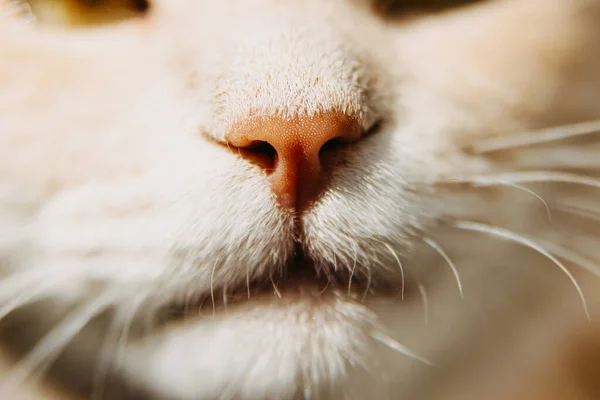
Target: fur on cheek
x=174, y=222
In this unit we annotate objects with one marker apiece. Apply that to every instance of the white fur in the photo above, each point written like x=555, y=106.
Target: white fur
x=106, y=171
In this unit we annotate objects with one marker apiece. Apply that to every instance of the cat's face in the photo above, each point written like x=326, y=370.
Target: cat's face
x=142, y=167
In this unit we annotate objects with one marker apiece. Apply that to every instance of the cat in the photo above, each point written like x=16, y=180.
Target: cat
x=251, y=199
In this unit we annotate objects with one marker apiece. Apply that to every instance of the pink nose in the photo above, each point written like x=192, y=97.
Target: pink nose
x=292, y=151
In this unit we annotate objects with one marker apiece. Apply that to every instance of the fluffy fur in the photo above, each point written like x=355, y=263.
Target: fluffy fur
x=115, y=194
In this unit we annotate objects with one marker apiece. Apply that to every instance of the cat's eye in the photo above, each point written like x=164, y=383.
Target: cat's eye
x=82, y=13
x=401, y=7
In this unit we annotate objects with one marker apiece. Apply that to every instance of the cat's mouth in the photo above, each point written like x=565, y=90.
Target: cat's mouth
x=300, y=277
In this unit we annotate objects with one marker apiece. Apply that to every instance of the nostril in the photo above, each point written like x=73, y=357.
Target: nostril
x=376, y=127
x=331, y=145
x=141, y=6
x=261, y=153
x=261, y=148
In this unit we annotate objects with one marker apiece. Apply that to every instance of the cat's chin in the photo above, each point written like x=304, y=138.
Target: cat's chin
x=271, y=345
x=301, y=331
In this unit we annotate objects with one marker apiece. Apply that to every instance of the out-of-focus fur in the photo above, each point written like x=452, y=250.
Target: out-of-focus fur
x=113, y=192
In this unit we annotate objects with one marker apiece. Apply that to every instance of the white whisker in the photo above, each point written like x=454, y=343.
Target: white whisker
x=516, y=238
x=369, y=277
x=119, y=354
x=212, y=288
x=325, y=288
x=116, y=334
x=535, y=137
x=399, y=264
x=24, y=289
x=571, y=256
x=395, y=345
x=353, y=270
x=248, y=281
x=478, y=182
x=534, y=194
x=578, y=211
x=17, y=283
x=531, y=177
x=53, y=343
x=423, y=293
x=24, y=298
x=225, y=297
x=275, y=287
x=433, y=244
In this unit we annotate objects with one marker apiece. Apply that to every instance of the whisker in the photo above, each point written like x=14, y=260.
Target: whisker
x=212, y=289
x=248, y=281
x=275, y=287
x=326, y=286
x=24, y=289
x=335, y=263
x=535, y=137
x=369, y=277
x=351, y=276
x=399, y=264
x=519, y=239
x=225, y=297
x=55, y=341
x=578, y=211
x=127, y=327
x=534, y=194
x=478, y=182
x=29, y=296
x=396, y=346
x=15, y=284
x=572, y=257
x=353, y=269
x=531, y=177
x=434, y=245
x=117, y=333
x=423, y=293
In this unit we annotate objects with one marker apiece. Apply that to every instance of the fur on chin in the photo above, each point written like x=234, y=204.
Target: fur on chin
x=302, y=344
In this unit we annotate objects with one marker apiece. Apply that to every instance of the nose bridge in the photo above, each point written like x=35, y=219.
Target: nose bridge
x=292, y=71
x=287, y=91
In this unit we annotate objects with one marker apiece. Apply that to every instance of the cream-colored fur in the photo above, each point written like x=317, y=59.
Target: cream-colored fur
x=113, y=192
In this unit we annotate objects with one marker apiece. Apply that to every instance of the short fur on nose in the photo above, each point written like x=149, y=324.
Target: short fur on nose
x=289, y=149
